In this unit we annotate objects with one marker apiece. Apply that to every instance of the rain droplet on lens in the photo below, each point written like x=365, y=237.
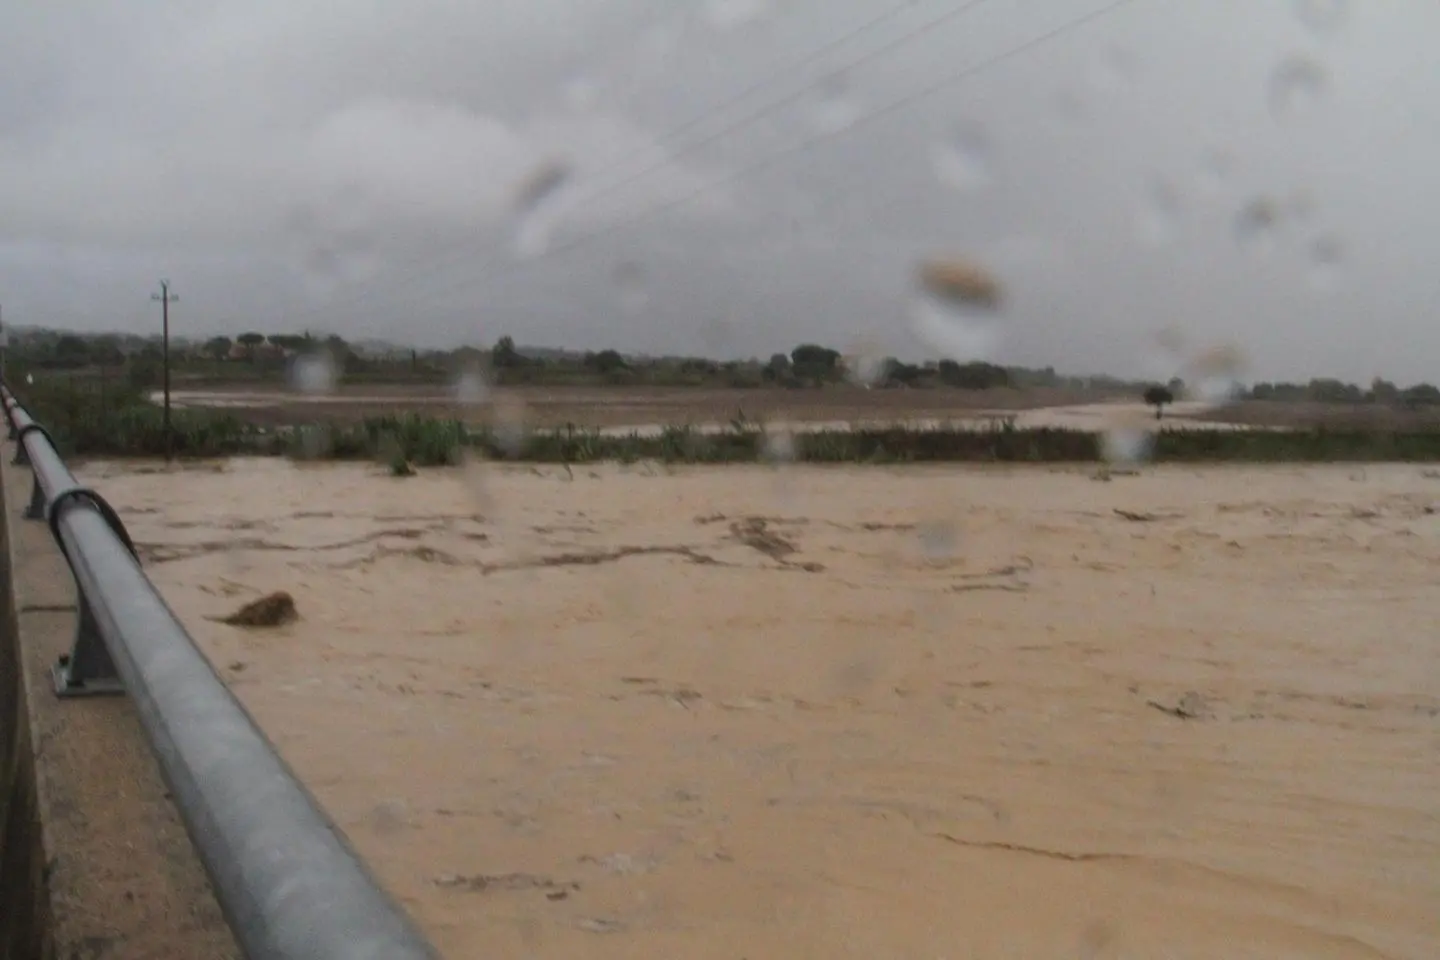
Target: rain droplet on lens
x=1127, y=444
x=939, y=540
x=509, y=426
x=866, y=363
x=1159, y=213
x=1213, y=376
x=1296, y=84
x=534, y=207
x=1326, y=255
x=390, y=817
x=956, y=312
x=314, y=373
x=1256, y=223
x=834, y=107
x=1321, y=16
x=630, y=284
x=779, y=446
x=962, y=158
x=471, y=390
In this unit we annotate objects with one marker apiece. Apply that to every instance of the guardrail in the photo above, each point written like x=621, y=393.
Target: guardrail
x=287, y=880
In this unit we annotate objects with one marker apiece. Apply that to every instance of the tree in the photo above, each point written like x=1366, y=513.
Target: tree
x=778, y=369
x=250, y=341
x=813, y=362
x=606, y=361
x=1157, y=397
x=505, y=356
x=71, y=351
x=218, y=348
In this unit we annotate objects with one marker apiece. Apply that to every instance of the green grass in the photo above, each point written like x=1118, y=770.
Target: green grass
x=90, y=419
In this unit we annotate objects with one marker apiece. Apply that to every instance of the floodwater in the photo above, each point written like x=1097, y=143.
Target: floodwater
x=869, y=713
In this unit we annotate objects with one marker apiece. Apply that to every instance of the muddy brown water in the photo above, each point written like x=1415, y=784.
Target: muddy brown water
x=634, y=712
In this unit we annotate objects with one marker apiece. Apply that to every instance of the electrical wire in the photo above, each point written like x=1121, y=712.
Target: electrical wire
x=436, y=265
x=805, y=145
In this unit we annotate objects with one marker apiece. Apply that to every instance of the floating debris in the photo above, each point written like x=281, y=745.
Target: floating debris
x=273, y=610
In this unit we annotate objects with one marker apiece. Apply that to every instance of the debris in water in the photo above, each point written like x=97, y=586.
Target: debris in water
x=1192, y=706
x=273, y=610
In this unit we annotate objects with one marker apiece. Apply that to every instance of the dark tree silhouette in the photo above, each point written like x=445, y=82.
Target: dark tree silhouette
x=505, y=356
x=1157, y=397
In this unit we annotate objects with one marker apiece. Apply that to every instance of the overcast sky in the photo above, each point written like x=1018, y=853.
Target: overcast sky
x=1263, y=173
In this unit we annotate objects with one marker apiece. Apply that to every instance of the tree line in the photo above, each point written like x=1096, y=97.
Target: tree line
x=255, y=354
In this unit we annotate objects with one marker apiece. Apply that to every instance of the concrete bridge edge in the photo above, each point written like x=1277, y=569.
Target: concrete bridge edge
x=96, y=863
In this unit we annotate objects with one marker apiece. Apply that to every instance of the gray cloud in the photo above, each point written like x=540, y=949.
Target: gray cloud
x=355, y=168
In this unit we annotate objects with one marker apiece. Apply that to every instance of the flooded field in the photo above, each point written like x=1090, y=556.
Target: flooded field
x=949, y=712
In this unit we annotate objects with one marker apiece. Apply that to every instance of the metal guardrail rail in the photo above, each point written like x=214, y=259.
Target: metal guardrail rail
x=289, y=883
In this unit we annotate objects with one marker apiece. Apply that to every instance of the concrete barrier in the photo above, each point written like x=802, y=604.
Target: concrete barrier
x=24, y=897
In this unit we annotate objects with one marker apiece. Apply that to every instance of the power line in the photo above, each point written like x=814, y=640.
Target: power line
x=744, y=121
x=793, y=66
x=774, y=106
x=807, y=144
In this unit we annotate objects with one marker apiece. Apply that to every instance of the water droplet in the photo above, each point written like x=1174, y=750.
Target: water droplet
x=1213, y=376
x=866, y=363
x=535, y=207
x=314, y=373
x=1127, y=444
x=1171, y=340
x=962, y=158
x=1212, y=390
x=834, y=107
x=630, y=283
x=779, y=446
x=939, y=540
x=389, y=817
x=1256, y=224
x=1159, y=214
x=1326, y=255
x=1321, y=16
x=956, y=312
x=475, y=479
x=509, y=426
x=1296, y=85
x=471, y=390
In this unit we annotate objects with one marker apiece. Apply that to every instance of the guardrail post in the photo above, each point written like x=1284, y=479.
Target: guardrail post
x=35, y=510
x=87, y=670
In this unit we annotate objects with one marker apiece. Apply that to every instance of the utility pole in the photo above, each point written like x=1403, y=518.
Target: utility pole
x=166, y=298
x=4, y=348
